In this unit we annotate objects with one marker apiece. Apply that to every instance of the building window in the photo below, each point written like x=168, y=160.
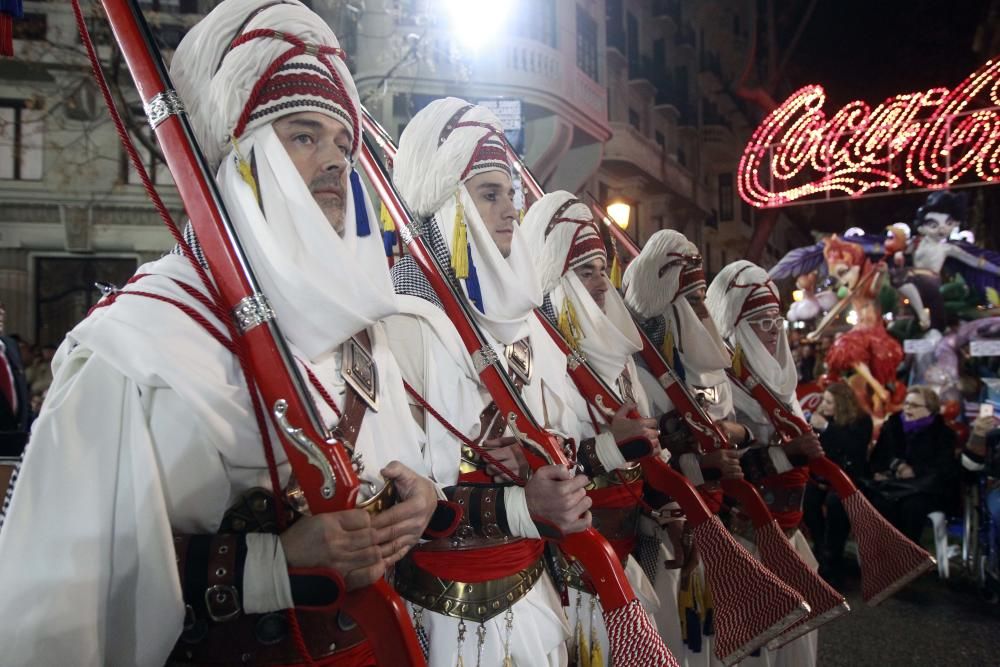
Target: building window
x=21, y=138
x=725, y=197
x=613, y=24
x=537, y=21
x=31, y=27
x=708, y=257
x=661, y=140
x=632, y=35
x=586, y=43
x=65, y=291
x=633, y=120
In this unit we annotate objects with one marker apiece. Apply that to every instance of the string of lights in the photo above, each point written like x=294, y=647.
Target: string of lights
x=927, y=139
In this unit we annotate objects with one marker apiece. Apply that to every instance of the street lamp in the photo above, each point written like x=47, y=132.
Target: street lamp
x=620, y=212
x=477, y=23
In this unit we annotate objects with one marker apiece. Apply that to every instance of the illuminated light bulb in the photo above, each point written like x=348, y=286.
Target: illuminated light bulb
x=930, y=139
x=852, y=318
x=477, y=24
x=797, y=295
x=620, y=212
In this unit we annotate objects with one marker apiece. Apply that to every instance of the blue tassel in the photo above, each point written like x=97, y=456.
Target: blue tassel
x=678, y=366
x=360, y=210
x=389, y=242
x=472, y=284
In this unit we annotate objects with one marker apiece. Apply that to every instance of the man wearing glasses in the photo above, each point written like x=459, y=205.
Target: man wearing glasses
x=746, y=308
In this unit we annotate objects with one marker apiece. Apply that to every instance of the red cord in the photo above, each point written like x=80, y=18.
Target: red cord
x=483, y=452
x=318, y=386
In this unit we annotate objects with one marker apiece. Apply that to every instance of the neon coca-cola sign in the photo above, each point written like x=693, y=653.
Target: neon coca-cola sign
x=928, y=139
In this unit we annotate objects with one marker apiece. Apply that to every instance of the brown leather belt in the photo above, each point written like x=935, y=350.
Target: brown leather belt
x=477, y=602
x=264, y=639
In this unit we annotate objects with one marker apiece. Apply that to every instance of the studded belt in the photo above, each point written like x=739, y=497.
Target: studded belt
x=477, y=602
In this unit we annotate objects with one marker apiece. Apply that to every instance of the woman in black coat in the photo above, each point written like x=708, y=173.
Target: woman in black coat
x=914, y=464
x=845, y=432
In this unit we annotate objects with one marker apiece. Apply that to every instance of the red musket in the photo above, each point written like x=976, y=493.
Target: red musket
x=741, y=587
x=320, y=464
x=633, y=639
x=889, y=560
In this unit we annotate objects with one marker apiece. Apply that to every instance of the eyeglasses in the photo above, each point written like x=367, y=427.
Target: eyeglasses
x=911, y=404
x=766, y=324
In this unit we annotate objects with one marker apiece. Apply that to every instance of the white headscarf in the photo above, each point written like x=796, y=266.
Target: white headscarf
x=609, y=337
x=740, y=291
x=652, y=284
x=323, y=287
x=430, y=173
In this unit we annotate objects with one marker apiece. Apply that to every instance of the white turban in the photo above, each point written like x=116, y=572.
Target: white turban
x=562, y=236
x=652, y=288
x=652, y=279
x=297, y=256
x=218, y=81
x=739, y=292
x=448, y=142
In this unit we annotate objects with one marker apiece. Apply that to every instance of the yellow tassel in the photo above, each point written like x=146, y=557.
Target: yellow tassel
x=460, y=663
x=459, y=243
x=596, y=659
x=616, y=273
x=508, y=661
x=992, y=296
x=668, y=348
x=246, y=172
x=521, y=221
x=569, y=324
x=738, y=361
x=685, y=601
x=582, y=647
x=383, y=215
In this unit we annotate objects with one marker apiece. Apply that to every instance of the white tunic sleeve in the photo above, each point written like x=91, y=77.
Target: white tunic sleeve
x=101, y=587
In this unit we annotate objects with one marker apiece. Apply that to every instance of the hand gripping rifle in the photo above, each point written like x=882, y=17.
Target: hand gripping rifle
x=740, y=585
x=633, y=639
x=889, y=560
x=321, y=465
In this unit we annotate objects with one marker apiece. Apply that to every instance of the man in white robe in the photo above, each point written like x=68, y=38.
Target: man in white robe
x=589, y=312
x=746, y=307
x=451, y=169
x=148, y=439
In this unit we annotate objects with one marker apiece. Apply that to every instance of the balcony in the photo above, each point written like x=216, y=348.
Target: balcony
x=641, y=74
x=710, y=72
x=667, y=9
x=616, y=40
x=629, y=153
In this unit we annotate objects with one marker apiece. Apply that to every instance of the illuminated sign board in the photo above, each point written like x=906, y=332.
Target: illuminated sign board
x=928, y=139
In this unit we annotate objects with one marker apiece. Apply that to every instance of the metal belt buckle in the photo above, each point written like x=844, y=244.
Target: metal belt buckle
x=222, y=602
x=360, y=372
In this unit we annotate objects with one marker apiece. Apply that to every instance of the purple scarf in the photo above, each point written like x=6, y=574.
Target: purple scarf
x=917, y=424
